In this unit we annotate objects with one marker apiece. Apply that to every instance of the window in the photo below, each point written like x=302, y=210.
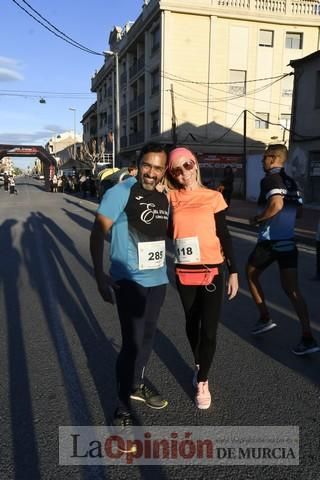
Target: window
x=262, y=121
x=294, y=40
x=266, y=38
x=155, y=122
x=317, y=99
x=155, y=39
x=155, y=81
x=237, y=82
x=285, y=119
x=287, y=86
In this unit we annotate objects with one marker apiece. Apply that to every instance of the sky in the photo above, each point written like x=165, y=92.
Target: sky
x=36, y=64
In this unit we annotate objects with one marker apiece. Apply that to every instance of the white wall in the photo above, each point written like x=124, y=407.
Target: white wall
x=254, y=175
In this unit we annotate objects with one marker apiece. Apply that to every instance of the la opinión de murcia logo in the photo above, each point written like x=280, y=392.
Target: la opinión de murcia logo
x=179, y=446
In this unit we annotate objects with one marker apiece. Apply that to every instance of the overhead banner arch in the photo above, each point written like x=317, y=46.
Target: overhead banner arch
x=48, y=161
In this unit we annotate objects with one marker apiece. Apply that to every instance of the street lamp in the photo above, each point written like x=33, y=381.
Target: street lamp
x=74, y=110
x=116, y=130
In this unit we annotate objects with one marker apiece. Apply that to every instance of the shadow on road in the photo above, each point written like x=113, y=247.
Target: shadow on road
x=25, y=449
x=60, y=291
x=276, y=343
x=79, y=220
x=79, y=204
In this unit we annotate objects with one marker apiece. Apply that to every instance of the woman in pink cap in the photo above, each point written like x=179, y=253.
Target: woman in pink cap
x=202, y=248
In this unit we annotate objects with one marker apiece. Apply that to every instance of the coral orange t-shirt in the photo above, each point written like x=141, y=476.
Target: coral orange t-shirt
x=194, y=229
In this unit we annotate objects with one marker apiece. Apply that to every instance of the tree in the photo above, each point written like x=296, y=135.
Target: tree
x=91, y=153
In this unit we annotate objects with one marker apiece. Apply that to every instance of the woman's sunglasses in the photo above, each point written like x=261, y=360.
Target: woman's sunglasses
x=188, y=165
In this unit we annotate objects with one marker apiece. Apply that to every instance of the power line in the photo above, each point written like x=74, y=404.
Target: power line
x=228, y=131
x=225, y=133
x=185, y=80
x=302, y=137
x=75, y=97
x=233, y=97
x=60, y=34
x=45, y=92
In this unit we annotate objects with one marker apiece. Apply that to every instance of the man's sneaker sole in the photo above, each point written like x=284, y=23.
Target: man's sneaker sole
x=139, y=399
x=132, y=449
x=307, y=352
x=127, y=433
x=263, y=329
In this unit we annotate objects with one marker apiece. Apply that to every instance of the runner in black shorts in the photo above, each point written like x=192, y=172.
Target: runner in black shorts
x=266, y=252
x=280, y=202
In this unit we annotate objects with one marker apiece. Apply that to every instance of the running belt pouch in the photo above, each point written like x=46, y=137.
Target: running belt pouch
x=203, y=276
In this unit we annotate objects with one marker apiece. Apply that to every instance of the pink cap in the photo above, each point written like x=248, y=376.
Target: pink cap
x=176, y=153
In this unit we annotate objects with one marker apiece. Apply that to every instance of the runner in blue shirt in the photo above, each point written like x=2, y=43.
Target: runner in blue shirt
x=136, y=215
x=280, y=201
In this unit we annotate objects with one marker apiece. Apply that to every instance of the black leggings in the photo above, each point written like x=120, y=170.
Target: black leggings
x=202, y=310
x=138, y=309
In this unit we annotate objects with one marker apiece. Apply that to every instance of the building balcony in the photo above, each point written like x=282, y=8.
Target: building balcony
x=136, y=138
x=292, y=8
x=123, y=111
x=123, y=79
x=136, y=67
x=97, y=79
x=155, y=90
x=137, y=103
x=123, y=141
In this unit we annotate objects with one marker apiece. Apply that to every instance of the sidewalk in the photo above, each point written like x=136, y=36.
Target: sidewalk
x=241, y=210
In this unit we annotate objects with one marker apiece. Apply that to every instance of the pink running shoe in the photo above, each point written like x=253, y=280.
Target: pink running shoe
x=203, y=396
x=195, y=376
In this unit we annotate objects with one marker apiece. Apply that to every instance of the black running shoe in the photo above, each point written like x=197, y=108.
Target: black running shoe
x=263, y=326
x=306, y=346
x=123, y=423
x=149, y=397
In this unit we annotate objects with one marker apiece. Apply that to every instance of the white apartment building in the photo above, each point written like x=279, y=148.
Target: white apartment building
x=61, y=141
x=64, y=146
x=205, y=73
x=6, y=165
x=89, y=124
x=304, y=153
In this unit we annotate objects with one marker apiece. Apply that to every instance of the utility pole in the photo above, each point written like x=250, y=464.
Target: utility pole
x=173, y=119
x=116, y=61
x=116, y=116
x=74, y=133
x=244, y=162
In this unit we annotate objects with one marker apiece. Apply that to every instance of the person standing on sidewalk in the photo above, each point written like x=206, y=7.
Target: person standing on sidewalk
x=202, y=243
x=280, y=201
x=226, y=186
x=136, y=214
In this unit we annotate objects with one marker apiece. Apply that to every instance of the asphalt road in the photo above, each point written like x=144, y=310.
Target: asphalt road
x=59, y=342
